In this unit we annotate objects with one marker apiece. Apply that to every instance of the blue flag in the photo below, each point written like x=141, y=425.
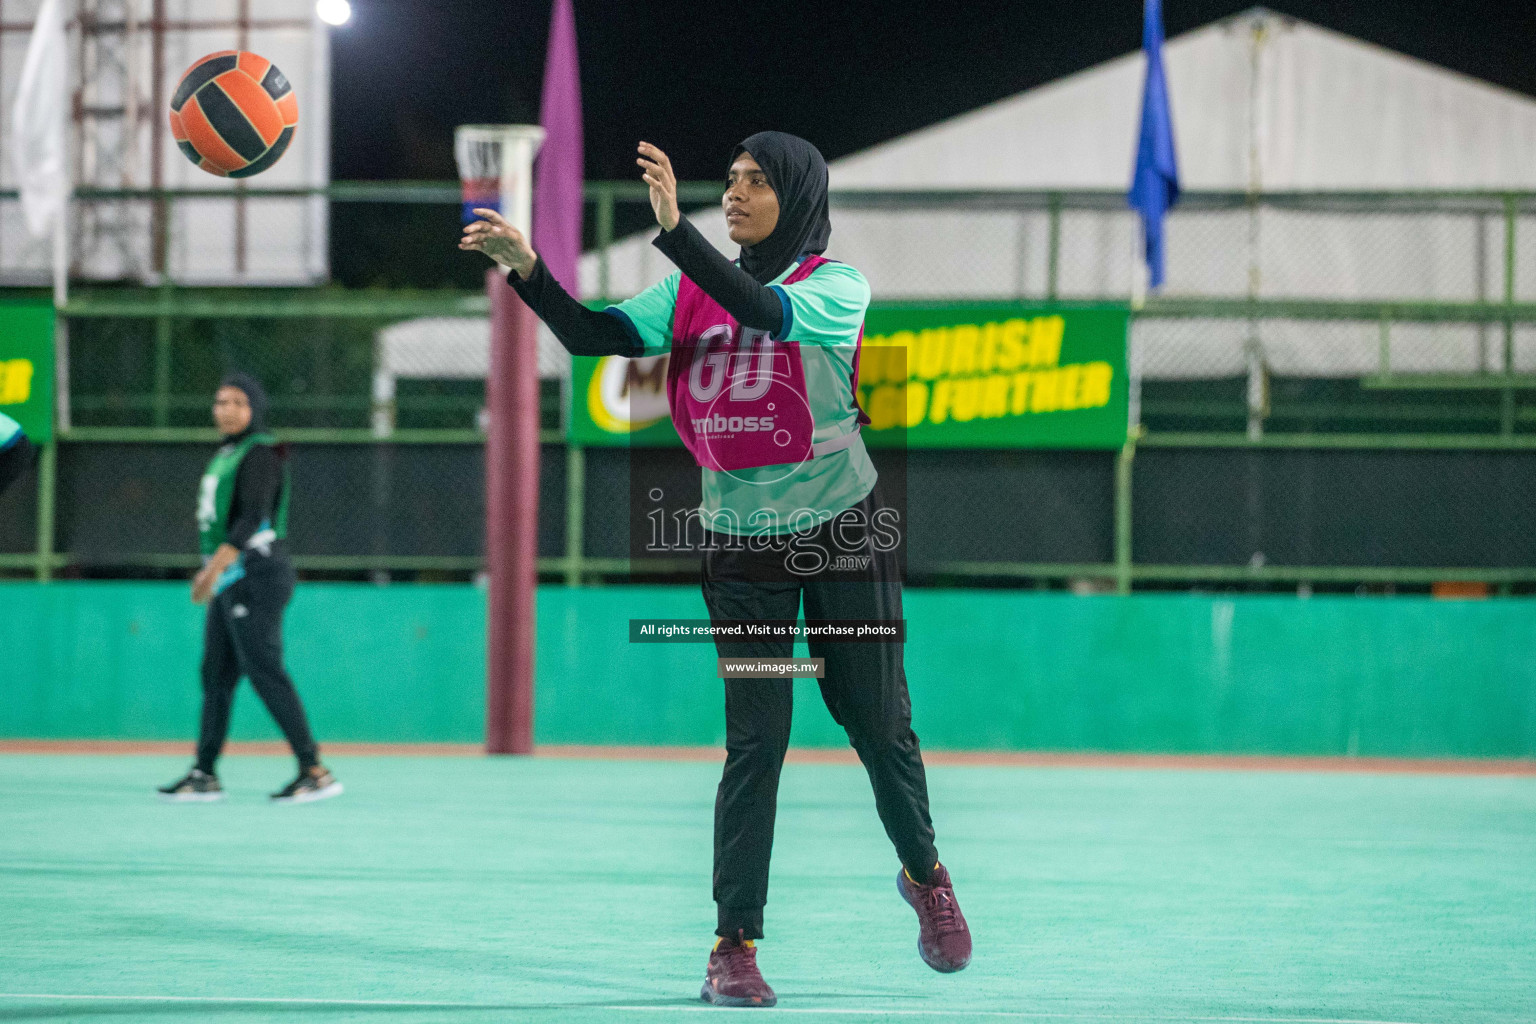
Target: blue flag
x=1155, y=183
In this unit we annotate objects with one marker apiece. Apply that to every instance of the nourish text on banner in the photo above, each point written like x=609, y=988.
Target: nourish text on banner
x=975, y=375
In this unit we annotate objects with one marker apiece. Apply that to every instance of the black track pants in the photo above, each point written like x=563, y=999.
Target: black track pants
x=243, y=636
x=865, y=689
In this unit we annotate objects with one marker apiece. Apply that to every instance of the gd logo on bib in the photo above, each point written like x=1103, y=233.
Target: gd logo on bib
x=746, y=403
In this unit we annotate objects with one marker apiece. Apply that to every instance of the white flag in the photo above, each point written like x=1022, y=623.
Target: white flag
x=38, y=122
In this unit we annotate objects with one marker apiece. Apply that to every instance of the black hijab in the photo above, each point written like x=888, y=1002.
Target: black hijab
x=798, y=176
x=256, y=395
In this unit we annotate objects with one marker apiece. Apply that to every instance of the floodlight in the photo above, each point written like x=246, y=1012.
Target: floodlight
x=333, y=12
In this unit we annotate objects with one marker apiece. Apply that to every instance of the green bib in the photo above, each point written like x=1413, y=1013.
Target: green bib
x=217, y=493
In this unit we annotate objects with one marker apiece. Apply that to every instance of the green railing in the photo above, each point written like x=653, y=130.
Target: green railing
x=167, y=305
x=576, y=568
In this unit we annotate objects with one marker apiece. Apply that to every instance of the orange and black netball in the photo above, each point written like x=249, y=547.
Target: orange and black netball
x=234, y=114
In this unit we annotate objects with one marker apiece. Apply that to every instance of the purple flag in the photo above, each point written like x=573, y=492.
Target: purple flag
x=557, y=184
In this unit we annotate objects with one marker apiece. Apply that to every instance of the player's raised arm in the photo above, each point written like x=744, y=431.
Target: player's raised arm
x=751, y=214
x=495, y=236
x=657, y=173
x=583, y=331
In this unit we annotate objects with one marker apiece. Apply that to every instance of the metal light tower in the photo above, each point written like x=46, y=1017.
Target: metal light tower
x=125, y=59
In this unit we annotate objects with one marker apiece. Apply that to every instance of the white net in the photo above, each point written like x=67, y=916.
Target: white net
x=496, y=168
x=478, y=152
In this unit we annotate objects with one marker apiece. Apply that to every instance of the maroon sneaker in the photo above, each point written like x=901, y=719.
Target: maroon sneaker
x=732, y=977
x=943, y=938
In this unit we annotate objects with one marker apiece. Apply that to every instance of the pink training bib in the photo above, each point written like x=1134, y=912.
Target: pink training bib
x=738, y=397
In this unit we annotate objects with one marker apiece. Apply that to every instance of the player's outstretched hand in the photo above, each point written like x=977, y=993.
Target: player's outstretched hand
x=202, y=585
x=500, y=241
x=207, y=577
x=658, y=175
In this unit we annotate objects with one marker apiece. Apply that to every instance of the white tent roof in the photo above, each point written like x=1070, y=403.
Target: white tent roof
x=1319, y=110
x=453, y=348
x=1260, y=101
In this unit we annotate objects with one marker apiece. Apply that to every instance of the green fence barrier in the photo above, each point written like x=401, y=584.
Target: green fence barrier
x=120, y=660
x=989, y=670
x=1441, y=367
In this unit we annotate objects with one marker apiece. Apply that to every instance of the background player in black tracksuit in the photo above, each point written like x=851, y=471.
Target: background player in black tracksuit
x=248, y=580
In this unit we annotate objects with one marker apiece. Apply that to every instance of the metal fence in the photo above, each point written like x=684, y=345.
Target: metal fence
x=1302, y=344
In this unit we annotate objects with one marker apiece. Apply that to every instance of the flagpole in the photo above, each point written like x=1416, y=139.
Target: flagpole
x=61, y=268
x=60, y=324
x=61, y=275
x=61, y=254
x=1138, y=265
x=1139, y=275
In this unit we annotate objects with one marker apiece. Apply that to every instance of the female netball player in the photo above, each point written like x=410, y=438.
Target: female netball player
x=801, y=481
x=242, y=523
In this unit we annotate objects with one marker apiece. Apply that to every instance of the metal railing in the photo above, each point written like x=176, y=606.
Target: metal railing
x=1399, y=419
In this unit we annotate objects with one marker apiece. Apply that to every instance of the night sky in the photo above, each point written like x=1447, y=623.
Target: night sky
x=696, y=77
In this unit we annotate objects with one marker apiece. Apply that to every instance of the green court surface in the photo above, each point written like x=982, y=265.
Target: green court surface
x=537, y=890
